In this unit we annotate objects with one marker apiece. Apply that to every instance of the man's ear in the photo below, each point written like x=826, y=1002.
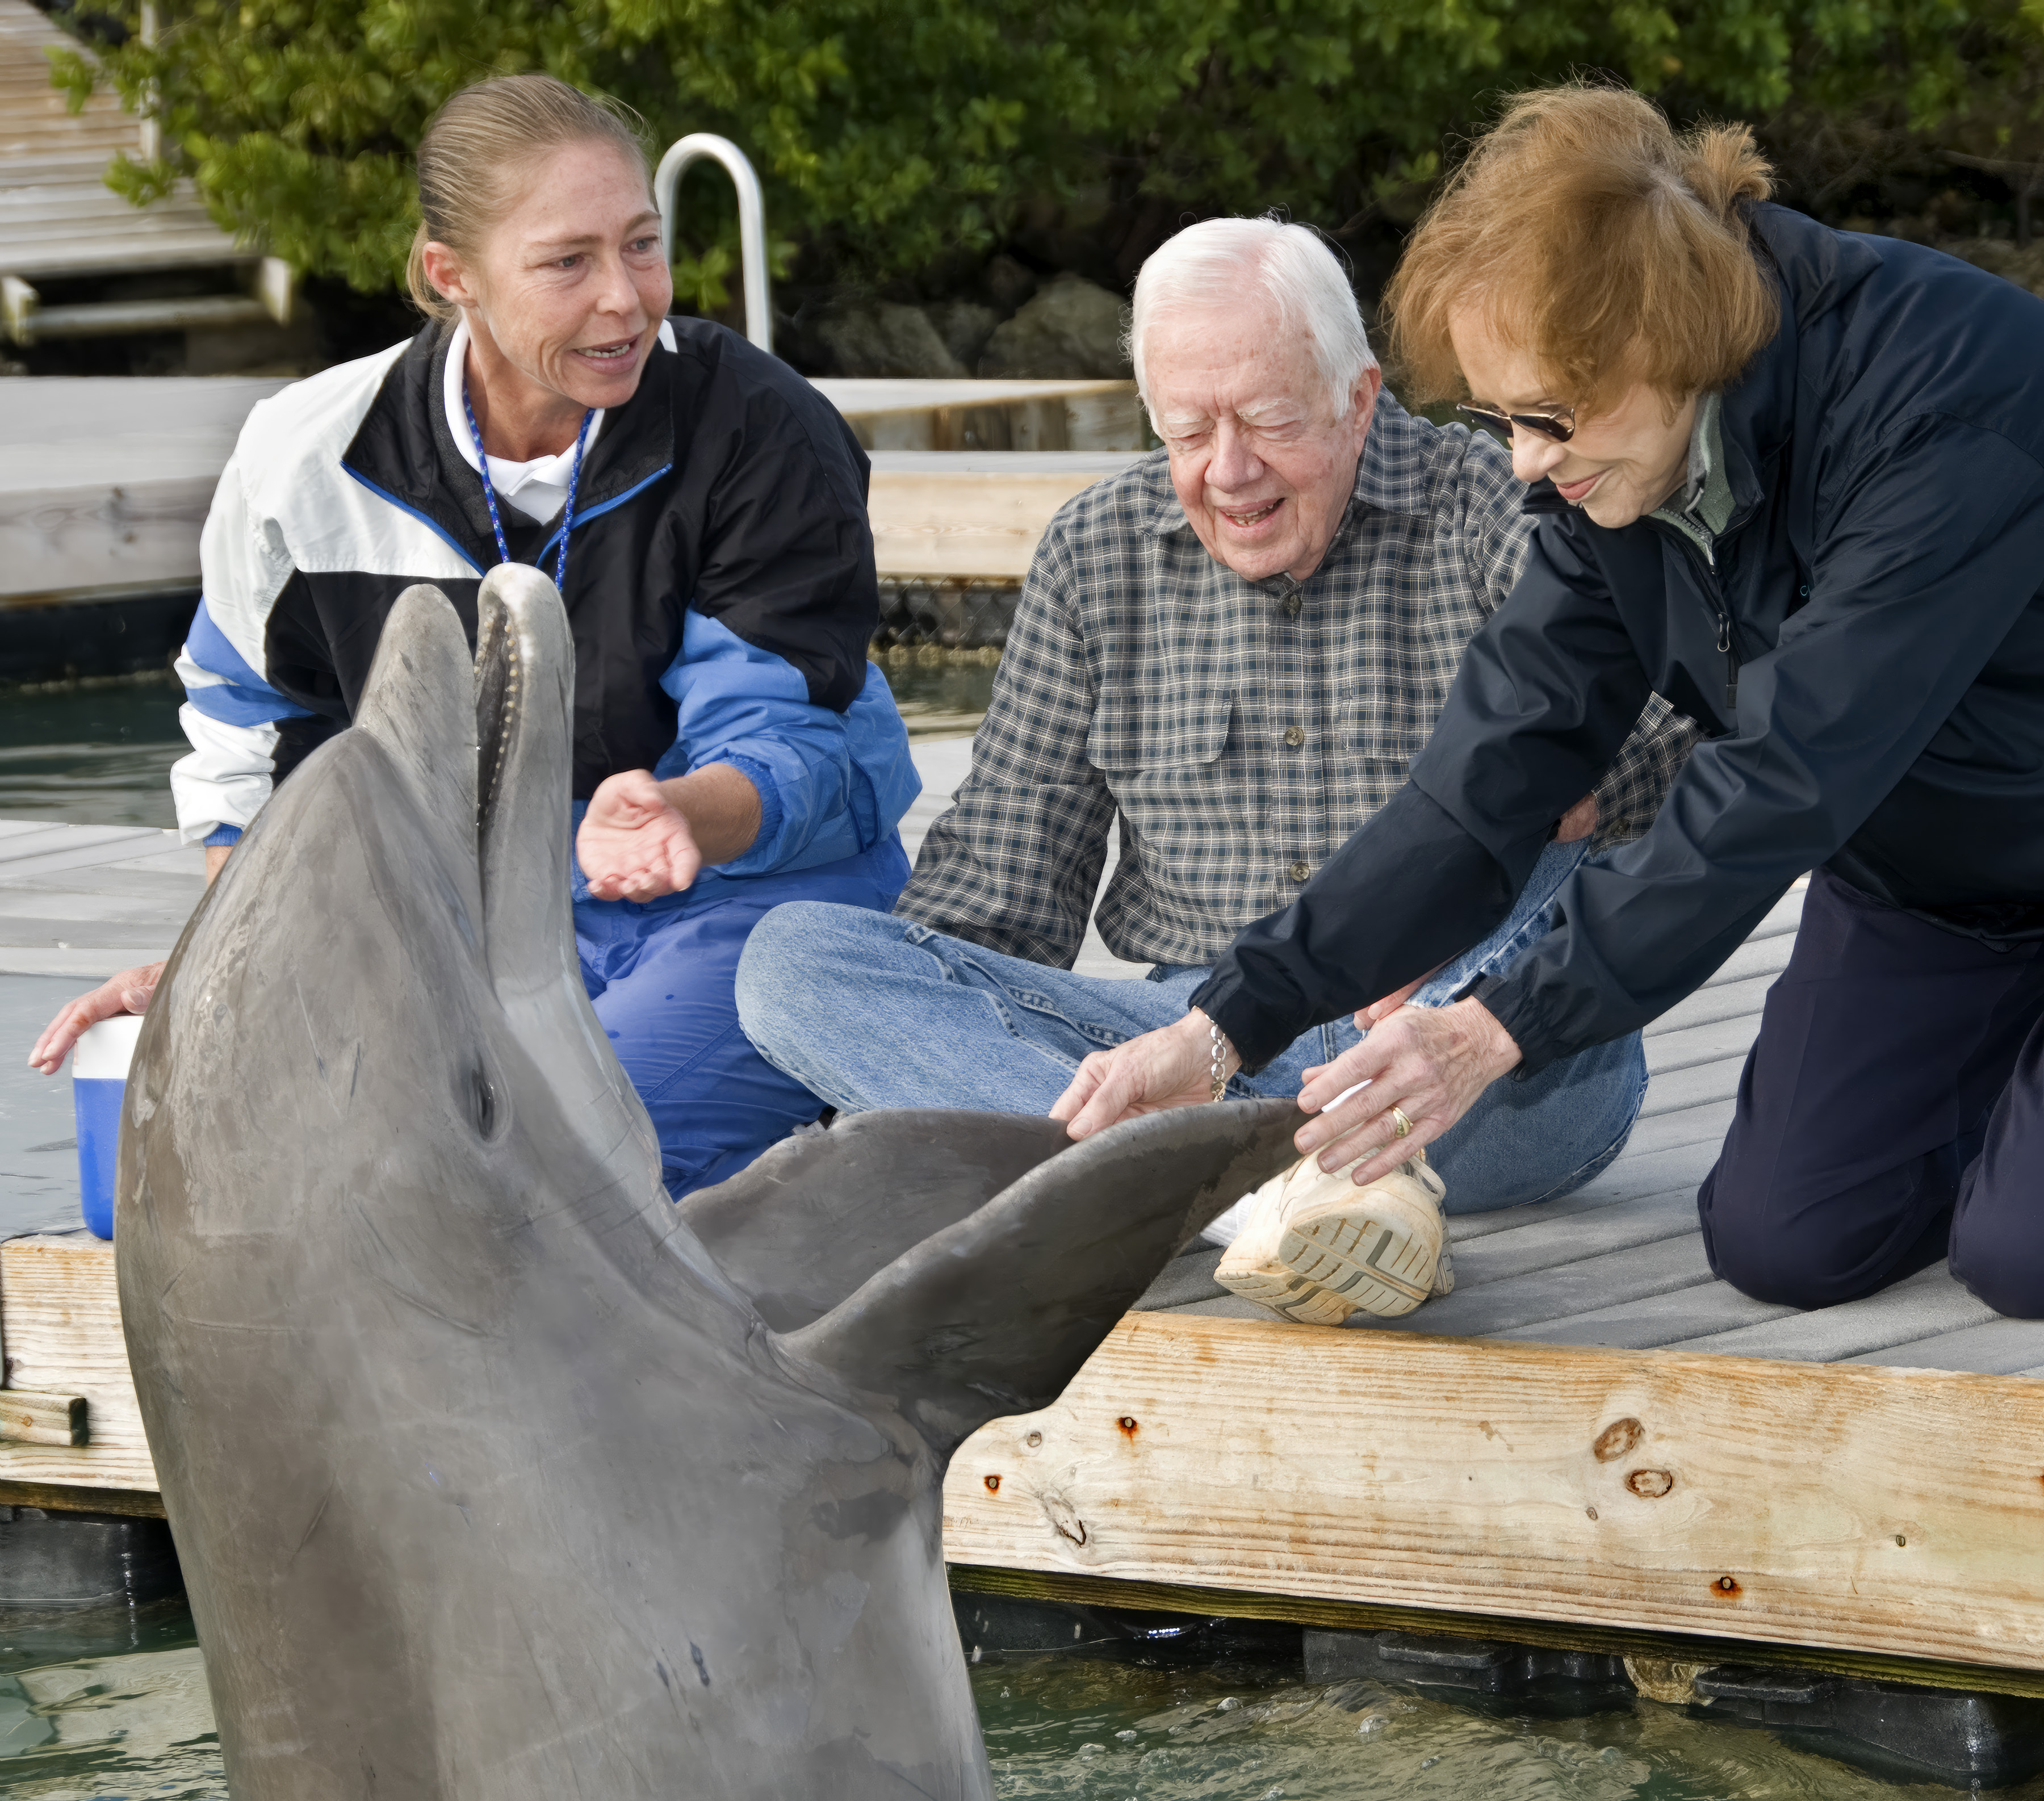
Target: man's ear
x=443, y=269
x=1368, y=386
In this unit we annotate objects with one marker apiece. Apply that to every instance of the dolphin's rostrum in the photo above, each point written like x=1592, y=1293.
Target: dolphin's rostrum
x=494, y=1475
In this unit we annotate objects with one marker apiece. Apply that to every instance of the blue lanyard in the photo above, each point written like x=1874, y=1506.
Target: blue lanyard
x=489, y=493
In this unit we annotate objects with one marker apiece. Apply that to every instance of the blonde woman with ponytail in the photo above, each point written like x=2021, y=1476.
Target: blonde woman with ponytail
x=702, y=509
x=1791, y=480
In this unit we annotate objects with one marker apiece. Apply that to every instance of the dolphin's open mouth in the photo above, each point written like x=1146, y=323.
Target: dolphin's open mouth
x=496, y=701
x=506, y=815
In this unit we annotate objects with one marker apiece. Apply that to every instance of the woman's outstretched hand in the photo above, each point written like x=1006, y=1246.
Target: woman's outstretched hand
x=1171, y=1067
x=127, y=992
x=1430, y=1063
x=635, y=844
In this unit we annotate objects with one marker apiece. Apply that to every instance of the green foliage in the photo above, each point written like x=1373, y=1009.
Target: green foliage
x=897, y=135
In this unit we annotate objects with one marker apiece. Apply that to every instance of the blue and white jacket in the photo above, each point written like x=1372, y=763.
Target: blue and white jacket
x=720, y=590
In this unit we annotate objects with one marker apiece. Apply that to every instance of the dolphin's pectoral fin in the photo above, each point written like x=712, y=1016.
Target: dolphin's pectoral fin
x=807, y=1222
x=994, y=1315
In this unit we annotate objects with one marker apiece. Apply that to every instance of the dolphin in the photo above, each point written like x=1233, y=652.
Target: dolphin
x=494, y=1475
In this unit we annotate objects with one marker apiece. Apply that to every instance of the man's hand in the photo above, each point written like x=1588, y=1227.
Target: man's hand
x=127, y=992
x=1172, y=1067
x=1579, y=821
x=1430, y=1063
x=635, y=844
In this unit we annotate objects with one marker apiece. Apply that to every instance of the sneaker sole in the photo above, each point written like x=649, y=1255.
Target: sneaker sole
x=1337, y=1265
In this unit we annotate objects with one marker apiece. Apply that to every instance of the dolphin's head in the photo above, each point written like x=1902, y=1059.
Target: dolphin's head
x=495, y=1474
x=384, y=975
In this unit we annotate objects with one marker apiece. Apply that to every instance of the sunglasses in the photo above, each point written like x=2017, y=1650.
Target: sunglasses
x=1559, y=426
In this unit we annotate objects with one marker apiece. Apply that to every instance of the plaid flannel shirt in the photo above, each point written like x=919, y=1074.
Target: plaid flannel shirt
x=1241, y=730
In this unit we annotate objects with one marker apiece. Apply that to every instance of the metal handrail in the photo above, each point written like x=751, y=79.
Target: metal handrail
x=751, y=220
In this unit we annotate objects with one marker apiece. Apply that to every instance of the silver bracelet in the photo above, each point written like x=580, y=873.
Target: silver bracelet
x=1220, y=1072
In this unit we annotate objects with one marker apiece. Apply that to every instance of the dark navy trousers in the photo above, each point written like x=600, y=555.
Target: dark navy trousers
x=1891, y=1114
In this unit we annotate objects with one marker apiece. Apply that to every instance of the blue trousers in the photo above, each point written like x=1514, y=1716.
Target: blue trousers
x=1891, y=1115
x=885, y=1012
x=660, y=980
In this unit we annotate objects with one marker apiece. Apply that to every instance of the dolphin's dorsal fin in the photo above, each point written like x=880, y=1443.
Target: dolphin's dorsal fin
x=804, y=1224
x=995, y=1314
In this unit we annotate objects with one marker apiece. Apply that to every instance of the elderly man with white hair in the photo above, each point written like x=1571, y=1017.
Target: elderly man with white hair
x=1235, y=647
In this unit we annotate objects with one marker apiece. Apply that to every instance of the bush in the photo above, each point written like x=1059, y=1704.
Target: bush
x=905, y=140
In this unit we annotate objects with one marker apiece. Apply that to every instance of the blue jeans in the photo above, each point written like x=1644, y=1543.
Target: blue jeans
x=867, y=1010
x=660, y=977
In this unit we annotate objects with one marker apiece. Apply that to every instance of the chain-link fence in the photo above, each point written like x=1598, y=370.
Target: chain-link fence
x=951, y=616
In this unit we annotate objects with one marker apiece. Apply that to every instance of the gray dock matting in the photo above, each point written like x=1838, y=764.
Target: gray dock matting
x=1619, y=1264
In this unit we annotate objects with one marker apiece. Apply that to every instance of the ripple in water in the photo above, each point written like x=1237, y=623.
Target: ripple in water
x=138, y=1724
x=94, y=756
x=1084, y=1731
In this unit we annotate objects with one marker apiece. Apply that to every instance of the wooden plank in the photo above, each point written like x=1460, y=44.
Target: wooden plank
x=55, y=540
x=1801, y=1505
x=1691, y=1047
x=2000, y=1347
x=27, y=1417
x=1704, y=1125
x=928, y=524
x=1921, y=1306
x=1700, y=1084
x=1710, y=1005
x=61, y=1332
x=1652, y=1322
x=70, y=1497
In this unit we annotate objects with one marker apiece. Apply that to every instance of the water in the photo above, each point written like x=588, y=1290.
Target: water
x=111, y=1705
x=94, y=756
x=102, y=755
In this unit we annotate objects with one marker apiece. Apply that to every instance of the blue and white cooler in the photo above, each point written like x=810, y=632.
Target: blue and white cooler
x=98, y=1081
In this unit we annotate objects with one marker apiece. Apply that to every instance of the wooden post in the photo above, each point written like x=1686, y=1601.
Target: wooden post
x=30, y=1418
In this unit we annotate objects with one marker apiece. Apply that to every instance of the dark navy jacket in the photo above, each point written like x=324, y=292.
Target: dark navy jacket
x=1880, y=588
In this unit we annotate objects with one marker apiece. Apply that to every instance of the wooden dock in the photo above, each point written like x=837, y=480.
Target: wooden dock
x=105, y=483
x=60, y=223
x=1591, y=1443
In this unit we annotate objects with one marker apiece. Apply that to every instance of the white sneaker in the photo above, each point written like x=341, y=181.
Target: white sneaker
x=1315, y=1248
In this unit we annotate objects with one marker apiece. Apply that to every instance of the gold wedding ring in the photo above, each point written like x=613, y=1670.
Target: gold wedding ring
x=1398, y=1119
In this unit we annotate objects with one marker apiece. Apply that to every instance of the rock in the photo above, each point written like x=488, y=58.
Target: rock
x=883, y=337
x=1071, y=330
x=965, y=326
x=1008, y=284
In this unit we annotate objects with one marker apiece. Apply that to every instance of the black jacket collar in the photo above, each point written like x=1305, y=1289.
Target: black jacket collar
x=404, y=448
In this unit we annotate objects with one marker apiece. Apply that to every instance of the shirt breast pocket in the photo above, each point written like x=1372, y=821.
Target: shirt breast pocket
x=1159, y=734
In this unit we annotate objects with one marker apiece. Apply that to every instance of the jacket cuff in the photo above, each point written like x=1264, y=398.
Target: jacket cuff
x=1509, y=1001
x=772, y=811
x=1258, y=1035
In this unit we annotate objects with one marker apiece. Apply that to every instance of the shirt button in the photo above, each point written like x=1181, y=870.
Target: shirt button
x=1293, y=604
x=1294, y=736
x=1300, y=872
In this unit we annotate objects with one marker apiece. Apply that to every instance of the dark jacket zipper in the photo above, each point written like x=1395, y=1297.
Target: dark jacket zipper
x=1713, y=598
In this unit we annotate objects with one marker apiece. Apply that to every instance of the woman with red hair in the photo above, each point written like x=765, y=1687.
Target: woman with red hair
x=1791, y=480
